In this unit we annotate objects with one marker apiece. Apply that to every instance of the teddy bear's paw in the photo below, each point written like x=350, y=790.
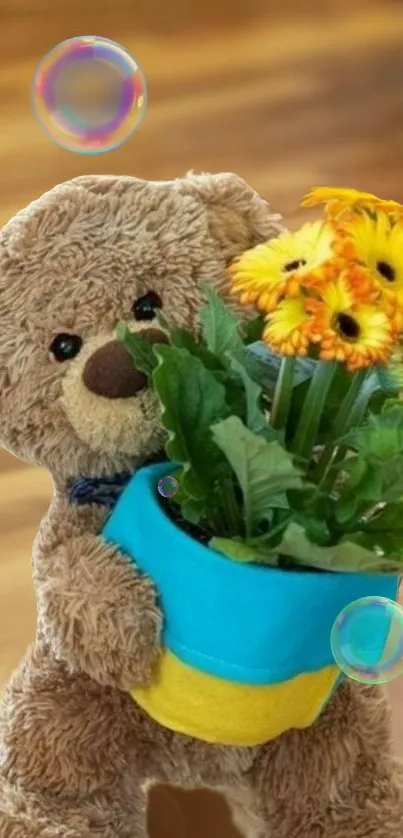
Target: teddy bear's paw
x=127, y=664
x=114, y=653
x=131, y=661
x=99, y=615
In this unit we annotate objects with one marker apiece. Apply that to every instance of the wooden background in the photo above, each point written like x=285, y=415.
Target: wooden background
x=287, y=93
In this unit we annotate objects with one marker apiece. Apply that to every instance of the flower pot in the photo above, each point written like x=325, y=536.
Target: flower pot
x=246, y=648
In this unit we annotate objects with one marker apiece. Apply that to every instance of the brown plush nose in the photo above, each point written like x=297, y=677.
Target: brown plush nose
x=110, y=371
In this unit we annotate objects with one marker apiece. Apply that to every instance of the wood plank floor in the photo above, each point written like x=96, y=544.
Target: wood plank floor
x=288, y=94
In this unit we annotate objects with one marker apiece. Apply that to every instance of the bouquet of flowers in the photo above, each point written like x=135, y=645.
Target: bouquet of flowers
x=285, y=428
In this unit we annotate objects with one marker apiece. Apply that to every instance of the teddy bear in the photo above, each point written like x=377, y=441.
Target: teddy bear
x=77, y=753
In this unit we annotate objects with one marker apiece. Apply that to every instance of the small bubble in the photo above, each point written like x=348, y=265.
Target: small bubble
x=367, y=640
x=168, y=486
x=89, y=94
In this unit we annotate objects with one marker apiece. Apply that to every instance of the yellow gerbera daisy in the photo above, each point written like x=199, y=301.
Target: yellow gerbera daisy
x=289, y=328
x=359, y=335
x=378, y=246
x=265, y=273
x=338, y=199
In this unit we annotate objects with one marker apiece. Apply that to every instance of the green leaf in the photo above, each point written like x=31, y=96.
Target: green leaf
x=348, y=555
x=220, y=326
x=234, y=393
x=255, y=418
x=192, y=510
x=265, y=470
x=252, y=329
x=356, y=468
x=346, y=509
x=239, y=393
x=313, y=510
x=391, y=402
x=191, y=401
x=379, y=444
x=363, y=487
x=385, y=529
x=388, y=519
x=185, y=340
x=243, y=551
x=312, y=501
x=140, y=349
x=316, y=530
x=381, y=438
x=271, y=435
x=386, y=546
x=392, y=479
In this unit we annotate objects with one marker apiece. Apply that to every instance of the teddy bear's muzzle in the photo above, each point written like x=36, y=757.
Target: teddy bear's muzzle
x=110, y=371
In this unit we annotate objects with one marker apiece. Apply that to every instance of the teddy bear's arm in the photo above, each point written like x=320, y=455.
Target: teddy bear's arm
x=97, y=612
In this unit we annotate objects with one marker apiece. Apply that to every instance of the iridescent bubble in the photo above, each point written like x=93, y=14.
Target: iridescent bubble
x=168, y=486
x=89, y=94
x=367, y=640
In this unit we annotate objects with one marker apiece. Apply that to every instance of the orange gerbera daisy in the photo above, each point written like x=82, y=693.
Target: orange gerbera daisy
x=357, y=334
x=374, y=248
x=340, y=199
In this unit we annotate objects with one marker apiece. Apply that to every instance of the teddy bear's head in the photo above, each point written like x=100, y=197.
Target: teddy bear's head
x=86, y=255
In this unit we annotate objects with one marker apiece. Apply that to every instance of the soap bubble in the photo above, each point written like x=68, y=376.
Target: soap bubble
x=367, y=640
x=168, y=486
x=89, y=95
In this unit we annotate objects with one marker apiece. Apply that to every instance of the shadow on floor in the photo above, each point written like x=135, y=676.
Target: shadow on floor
x=174, y=813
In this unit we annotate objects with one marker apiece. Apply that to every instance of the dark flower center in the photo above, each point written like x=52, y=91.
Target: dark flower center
x=347, y=327
x=386, y=271
x=293, y=266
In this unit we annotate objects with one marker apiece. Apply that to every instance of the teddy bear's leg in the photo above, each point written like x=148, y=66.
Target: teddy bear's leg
x=71, y=765
x=337, y=779
x=19, y=828
x=374, y=806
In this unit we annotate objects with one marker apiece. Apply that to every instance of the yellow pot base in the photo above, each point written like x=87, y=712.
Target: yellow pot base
x=214, y=710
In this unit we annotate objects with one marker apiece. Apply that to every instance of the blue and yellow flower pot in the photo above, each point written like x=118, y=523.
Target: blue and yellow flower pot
x=246, y=648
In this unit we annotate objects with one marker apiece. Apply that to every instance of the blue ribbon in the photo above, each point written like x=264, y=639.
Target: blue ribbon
x=102, y=491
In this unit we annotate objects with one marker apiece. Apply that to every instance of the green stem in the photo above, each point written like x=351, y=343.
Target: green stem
x=347, y=417
x=315, y=400
x=342, y=420
x=353, y=417
x=339, y=426
x=215, y=520
x=282, y=394
x=277, y=530
x=330, y=475
x=232, y=510
x=324, y=461
x=369, y=387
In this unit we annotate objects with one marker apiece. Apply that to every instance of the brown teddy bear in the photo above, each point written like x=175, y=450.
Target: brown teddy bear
x=77, y=755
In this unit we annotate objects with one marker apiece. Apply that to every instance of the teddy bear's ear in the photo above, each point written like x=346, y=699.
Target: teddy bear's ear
x=239, y=218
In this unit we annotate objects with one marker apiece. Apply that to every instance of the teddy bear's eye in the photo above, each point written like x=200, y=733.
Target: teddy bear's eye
x=145, y=307
x=64, y=347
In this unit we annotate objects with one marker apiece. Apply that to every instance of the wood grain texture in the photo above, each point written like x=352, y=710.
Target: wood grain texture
x=289, y=94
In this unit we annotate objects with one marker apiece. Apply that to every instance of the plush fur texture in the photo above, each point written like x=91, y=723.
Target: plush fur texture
x=76, y=752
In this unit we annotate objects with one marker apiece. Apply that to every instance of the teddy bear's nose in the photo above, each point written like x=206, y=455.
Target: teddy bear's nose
x=110, y=371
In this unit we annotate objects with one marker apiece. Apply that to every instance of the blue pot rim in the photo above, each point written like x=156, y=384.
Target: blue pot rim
x=154, y=504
